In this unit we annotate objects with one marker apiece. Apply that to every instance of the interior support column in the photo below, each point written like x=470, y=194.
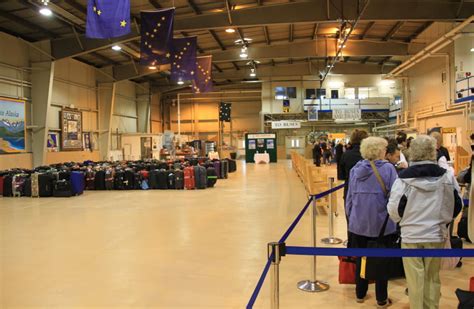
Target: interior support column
x=41, y=91
x=143, y=107
x=106, y=107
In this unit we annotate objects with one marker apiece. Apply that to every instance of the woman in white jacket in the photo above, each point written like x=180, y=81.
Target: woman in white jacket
x=424, y=199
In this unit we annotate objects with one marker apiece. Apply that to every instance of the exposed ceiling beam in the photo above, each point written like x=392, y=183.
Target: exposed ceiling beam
x=393, y=30
x=363, y=61
x=419, y=31
x=461, y=2
x=155, y=4
x=320, y=48
x=77, y=6
x=25, y=23
x=194, y=7
x=259, y=2
x=105, y=59
x=267, y=35
x=302, y=69
x=235, y=66
x=28, y=38
x=315, y=31
x=291, y=30
x=217, y=67
x=216, y=38
x=346, y=59
x=385, y=60
x=366, y=30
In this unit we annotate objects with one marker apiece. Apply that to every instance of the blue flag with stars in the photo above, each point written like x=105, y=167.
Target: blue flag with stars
x=202, y=81
x=107, y=18
x=156, y=37
x=183, y=65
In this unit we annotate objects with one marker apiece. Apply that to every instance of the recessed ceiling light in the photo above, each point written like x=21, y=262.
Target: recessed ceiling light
x=45, y=11
x=152, y=67
x=472, y=50
x=116, y=47
x=180, y=82
x=230, y=30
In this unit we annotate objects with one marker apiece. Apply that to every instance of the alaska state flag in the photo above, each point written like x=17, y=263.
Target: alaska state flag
x=183, y=65
x=225, y=110
x=202, y=81
x=156, y=37
x=107, y=18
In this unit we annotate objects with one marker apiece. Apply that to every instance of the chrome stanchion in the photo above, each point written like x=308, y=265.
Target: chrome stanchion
x=331, y=240
x=274, y=248
x=313, y=285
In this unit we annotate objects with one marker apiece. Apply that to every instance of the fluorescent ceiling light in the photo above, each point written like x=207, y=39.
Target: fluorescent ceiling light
x=152, y=67
x=45, y=11
x=116, y=47
x=230, y=30
x=180, y=82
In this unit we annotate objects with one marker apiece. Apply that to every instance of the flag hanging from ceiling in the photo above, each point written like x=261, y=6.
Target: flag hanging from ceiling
x=107, y=18
x=156, y=37
x=183, y=65
x=225, y=111
x=202, y=81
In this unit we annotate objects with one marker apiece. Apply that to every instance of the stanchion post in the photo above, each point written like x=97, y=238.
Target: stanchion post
x=275, y=250
x=331, y=240
x=313, y=285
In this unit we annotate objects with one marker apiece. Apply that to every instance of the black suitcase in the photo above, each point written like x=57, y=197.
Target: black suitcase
x=179, y=179
x=211, y=177
x=90, y=180
x=462, y=228
x=200, y=177
x=232, y=165
x=224, y=169
x=119, y=180
x=163, y=166
x=171, y=180
x=162, y=179
x=109, y=179
x=137, y=182
x=27, y=187
x=129, y=183
x=7, y=185
x=153, y=179
x=64, y=175
x=45, y=184
x=99, y=180
x=62, y=188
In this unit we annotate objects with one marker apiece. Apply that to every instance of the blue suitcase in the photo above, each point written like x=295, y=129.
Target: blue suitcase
x=77, y=183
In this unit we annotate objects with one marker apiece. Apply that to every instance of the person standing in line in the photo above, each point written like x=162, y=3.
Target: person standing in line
x=442, y=154
x=366, y=207
x=339, y=151
x=402, y=145
x=424, y=200
x=317, y=154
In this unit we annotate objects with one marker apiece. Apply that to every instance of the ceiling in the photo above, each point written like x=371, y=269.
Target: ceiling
x=294, y=37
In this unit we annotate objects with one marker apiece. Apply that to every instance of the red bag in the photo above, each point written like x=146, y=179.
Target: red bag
x=189, y=183
x=471, y=285
x=347, y=270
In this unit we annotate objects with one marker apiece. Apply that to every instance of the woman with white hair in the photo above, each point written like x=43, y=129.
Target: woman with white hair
x=424, y=200
x=366, y=208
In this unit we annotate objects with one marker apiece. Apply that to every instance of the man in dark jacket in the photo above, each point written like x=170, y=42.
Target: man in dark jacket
x=339, y=151
x=350, y=158
x=317, y=154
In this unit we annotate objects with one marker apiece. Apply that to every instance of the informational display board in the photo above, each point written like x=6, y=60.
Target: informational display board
x=12, y=125
x=260, y=143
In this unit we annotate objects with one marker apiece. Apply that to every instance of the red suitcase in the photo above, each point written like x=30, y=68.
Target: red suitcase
x=189, y=182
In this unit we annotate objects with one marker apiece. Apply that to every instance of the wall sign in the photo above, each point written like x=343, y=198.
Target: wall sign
x=286, y=124
x=260, y=135
x=347, y=114
x=313, y=113
x=71, y=129
x=12, y=125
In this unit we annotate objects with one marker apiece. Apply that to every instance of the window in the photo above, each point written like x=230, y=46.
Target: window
x=320, y=93
x=334, y=94
x=363, y=93
x=310, y=94
x=284, y=93
x=349, y=93
x=295, y=143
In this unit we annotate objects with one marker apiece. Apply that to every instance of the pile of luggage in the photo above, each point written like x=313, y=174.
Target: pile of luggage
x=70, y=179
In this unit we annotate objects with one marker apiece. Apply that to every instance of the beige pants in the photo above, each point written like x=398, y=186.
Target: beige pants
x=424, y=286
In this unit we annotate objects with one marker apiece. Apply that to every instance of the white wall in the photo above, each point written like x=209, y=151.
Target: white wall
x=125, y=113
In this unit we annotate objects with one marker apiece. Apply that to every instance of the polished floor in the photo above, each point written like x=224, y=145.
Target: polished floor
x=173, y=249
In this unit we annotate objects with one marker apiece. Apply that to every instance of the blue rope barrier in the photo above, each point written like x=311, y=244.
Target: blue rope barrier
x=376, y=252
x=260, y=283
x=323, y=194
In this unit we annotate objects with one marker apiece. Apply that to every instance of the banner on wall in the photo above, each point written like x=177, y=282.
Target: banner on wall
x=286, y=124
x=12, y=125
x=347, y=114
x=71, y=130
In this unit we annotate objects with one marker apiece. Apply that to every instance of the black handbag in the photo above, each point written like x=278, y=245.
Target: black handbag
x=466, y=299
x=382, y=268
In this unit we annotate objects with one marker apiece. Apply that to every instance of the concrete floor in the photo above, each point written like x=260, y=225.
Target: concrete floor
x=173, y=249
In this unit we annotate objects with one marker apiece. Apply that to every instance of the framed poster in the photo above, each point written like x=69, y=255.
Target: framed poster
x=270, y=144
x=12, y=126
x=71, y=129
x=86, y=141
x=312, y=113
x=53, y=142
x=252, y=144
x=260, y=143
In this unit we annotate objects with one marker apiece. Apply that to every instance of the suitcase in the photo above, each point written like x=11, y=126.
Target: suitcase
x=99, y=180
x=200, y=177
x=7, y=185
x=18, y=183
x=90, y=180
x=34, y=185
x=462, y=227
x=119, y=180
x=162, y=180
x=217, y=167
x=232, y=165
x=109, y=179
x=45, y=185
x=171, y=180
x=137, y=182
x=211, y=177
x=64, y=175
x=62, y=188
x=77, y=183
x=144, y=174
x=129, y=182
x=179, y=179
x=189, y=178
x=224, y=169
x=27, y=187
x=456, y=243
x=162, y=166
x=153, y=179
x=177, y=165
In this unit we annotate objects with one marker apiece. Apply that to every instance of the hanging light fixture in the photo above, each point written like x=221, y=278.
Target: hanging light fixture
x=44, y=10
x=243, y=52
x=116, y=47
x=180, y=82
x=252, y=72
x=230, y=30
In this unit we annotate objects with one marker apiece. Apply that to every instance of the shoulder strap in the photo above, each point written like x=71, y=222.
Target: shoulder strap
x=379, y=178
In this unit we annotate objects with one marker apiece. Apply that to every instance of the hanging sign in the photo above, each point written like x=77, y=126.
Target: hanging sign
x=347, y=114
x=286, y=124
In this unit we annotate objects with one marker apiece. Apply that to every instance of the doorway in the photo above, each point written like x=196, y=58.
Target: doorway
x=146, y=149
x=294, y=143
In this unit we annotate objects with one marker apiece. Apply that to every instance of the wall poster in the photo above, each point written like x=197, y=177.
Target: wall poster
x=71, y=130
x=12, y=126
x=252, y=144
x=53, y=142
